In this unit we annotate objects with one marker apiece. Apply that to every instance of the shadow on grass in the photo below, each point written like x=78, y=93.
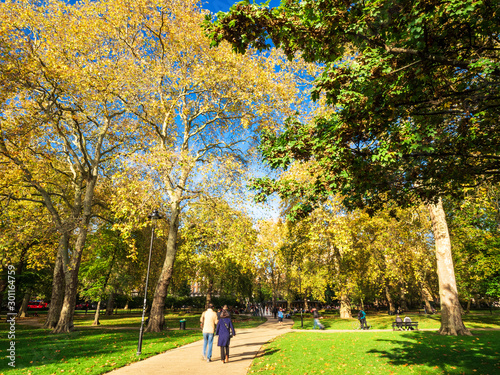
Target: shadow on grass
x=484, y=320
x=36, y=347
x=267, y=352
x=451, y=354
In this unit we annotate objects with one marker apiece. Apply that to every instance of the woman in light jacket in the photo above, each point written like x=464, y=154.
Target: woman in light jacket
x=224, y=328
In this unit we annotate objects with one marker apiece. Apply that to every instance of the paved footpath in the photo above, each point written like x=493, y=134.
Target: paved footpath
x=188, y=359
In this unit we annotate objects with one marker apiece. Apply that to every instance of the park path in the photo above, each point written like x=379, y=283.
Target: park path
x=245, y=346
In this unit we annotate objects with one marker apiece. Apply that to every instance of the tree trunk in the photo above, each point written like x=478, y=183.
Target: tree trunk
x=157, y=317
x=468, y=305
x=210, y=291
x=425, y=298
x=3, y=283
x=289, y=303
x=71, y=262
x=24, y=306
x=97, y=313
x=65, y=322
x=389, y=298
x=57, y=296
x=451, y=317
x=111, y=304
x=98, y=310
x=275, y=290
x=345, y=306
x=402, y=296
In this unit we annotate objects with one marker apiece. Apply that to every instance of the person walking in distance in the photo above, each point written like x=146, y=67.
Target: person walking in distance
x=280, y=316
x=362, y=319
x=316, y=318
x=208, y=321
x=225, y=330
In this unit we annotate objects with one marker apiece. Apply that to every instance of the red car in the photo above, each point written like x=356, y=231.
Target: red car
x=37, y=305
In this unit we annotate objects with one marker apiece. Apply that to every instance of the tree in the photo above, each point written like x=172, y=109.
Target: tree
x=102, y=263
x=203, y=105
x=220, y=242
x=63, y=64
x=474, y=225
x=270, y=263
x=359, y=256
x=415, y=106
x=400, y=253
x=27, y=238
x=412, y=84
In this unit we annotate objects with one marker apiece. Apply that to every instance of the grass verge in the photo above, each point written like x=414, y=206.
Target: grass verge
x=381, y=353
x=96, y=350
x=384, y=321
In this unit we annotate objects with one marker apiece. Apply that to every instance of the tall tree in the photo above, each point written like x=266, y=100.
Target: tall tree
x=101, y=264
x=413, y=85
x=202, y=104
x=474, y=226
x=270, y=262
x=71, y=121
x=221, y=242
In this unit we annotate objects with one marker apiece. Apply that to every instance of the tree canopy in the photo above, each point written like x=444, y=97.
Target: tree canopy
x=413, y=88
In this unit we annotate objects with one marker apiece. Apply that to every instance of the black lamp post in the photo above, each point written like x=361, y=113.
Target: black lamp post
x=155, y=216
x=301, y=308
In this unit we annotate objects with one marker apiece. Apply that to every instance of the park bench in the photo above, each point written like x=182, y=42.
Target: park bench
x=404, y=326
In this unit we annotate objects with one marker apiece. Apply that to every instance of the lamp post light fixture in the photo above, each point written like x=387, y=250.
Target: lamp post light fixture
x=155, y=216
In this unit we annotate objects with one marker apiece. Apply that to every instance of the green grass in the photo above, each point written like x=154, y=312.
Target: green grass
x=96, y=350
x=380, y=353
x=86, y=350
x=384, y=321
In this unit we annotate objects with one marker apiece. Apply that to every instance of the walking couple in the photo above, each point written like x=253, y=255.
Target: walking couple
x=221, y=327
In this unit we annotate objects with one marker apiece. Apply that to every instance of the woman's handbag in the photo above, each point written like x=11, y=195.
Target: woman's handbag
x=229, y=331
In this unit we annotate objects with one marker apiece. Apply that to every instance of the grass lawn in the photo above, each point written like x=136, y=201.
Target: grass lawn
x=380, y=353
x=384, y=321
x=171, y=321
x=96, y=350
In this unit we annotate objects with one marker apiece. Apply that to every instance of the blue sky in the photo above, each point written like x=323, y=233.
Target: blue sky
x=257, y=211
x=223, y=5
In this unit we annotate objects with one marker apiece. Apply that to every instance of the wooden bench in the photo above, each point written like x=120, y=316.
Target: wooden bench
x=404, y=326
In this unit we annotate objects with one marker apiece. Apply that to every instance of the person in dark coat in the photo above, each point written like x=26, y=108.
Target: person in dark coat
x=224, y=328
